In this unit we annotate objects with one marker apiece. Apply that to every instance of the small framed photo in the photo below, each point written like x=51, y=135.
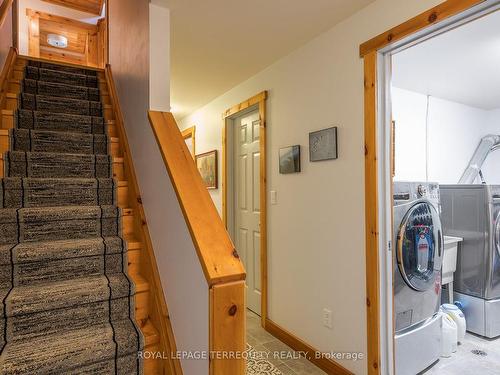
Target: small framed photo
x=207, y=165
x=323, y=144
x=290, y=159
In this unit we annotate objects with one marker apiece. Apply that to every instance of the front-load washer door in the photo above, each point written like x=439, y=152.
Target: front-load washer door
x=419, y=246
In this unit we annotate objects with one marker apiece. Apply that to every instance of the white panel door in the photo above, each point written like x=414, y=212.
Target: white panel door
x=246, y=176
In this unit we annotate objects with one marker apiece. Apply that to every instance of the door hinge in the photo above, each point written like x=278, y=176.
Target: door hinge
x=389, y=246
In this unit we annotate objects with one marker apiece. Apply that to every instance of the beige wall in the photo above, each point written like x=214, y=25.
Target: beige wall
x=316, y=231
x=159, y=62
x=182, y=278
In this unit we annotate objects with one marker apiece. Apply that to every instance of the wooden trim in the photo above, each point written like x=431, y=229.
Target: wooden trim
x=63, y=20
x=260, y=101
x=64, y=63
x=4, y=10
x=4, y=80
x=82, y=8
x=324, y=363
x=167, y=341
x=15, y=24
x=227, y=327
x=218, y=258
x=369, y=50
x=246, y=104
x=33, y=35
x=437, y=14
x=190, y=133
x=371, y=214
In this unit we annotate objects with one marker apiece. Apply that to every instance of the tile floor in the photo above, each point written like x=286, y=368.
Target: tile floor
x=464, y=362
x=271, y=348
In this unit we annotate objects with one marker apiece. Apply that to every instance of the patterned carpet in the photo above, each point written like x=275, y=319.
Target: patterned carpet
x=258, y=365
x=67, y=298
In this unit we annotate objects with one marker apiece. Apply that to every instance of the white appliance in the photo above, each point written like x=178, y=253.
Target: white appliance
x=473, y=213
x=418, y=245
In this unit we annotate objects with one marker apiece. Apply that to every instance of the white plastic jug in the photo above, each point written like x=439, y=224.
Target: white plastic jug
x=458, y=316
x=448, y=336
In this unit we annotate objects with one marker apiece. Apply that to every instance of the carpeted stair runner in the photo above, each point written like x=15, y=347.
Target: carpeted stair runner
x=67, y=300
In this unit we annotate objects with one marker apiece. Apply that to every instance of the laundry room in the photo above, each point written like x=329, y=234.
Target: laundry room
x=445, y=109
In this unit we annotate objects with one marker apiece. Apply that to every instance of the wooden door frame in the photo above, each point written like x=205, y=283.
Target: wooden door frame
x=370, y=51
x=259, y=102
x=190, y=133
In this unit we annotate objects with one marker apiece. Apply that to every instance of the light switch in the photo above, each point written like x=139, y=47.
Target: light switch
x=274, y=197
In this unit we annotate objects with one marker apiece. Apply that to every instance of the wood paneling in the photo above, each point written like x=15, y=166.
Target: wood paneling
x=102, y=42
x=83, y=43
x=88, y=6
x=440, y=12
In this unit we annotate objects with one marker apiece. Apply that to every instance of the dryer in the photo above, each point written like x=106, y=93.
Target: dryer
x=418, y=251
x=473, y=212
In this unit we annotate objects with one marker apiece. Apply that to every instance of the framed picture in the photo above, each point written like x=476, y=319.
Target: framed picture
x=207, y=165
x=290, y=159
x=323, y=144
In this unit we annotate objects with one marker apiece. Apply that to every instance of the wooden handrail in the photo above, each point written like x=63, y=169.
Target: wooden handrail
x=166, y=331
x=218, y=257
x=4, y=10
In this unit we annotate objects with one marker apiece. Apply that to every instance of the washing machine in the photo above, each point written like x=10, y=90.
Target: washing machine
x=418, y=251
x=473, y=212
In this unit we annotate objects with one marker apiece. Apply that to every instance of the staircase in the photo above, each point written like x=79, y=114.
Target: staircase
x=74, y=301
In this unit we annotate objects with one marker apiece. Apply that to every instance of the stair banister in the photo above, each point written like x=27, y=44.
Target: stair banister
x=221, y=266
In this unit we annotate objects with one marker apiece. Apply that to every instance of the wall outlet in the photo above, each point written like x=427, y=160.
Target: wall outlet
x=327, y=318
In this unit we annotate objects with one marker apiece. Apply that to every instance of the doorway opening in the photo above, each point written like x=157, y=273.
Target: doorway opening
x=417, y=210
x=244, y=193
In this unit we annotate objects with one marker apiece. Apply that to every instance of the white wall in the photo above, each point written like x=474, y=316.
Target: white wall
x=183, y=282
x=440, y=151
x=316, y=231
x=159, y=62
x=47, y=8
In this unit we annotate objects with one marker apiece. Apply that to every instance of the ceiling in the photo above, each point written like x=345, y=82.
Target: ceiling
x=217, y=44
x=462, y=65
x=88, y=6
